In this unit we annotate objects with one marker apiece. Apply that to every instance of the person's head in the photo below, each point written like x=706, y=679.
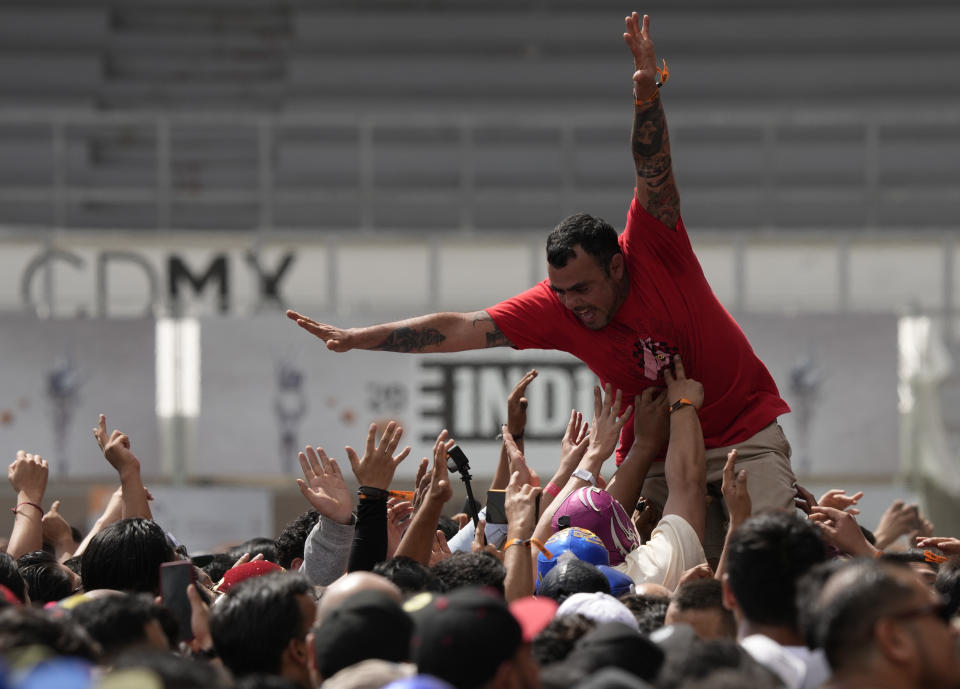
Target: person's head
x=571, y=576
x=289, y=543
x=948, y=583
x=648, y=610
x=703, y=659
x=557, y=639
x=369, y=624
x=471, y=569
x=586, y=269
x=263, y=625
x=24, y=626
x=469, y=637
x=218, y=566
x=46, y=579
x=595, y=510
x=409, y=575
x=11, y=577
x=924, y=567
x=766, y=556
x=261, y=545
x=612, y=644
x=126, y=556
x=122, y=622
x=878, y=620
x=599, y=607
x=351, y=584
x=699, y=603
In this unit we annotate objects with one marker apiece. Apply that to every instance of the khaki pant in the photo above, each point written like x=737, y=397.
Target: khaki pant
x=770, y=480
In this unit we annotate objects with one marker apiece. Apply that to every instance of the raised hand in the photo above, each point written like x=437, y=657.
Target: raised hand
x=838, y=499
x=517, y=404
x=115, y=448
x=323, y=485
x=440, y=490
x=439, y=550
x=378, y=464
x=336, y=339
x=575, y=441
x=480, y=545
x=651, y=422
x=606, y=424
x=897, y=520
x=680, y=387
x=28, y=475
x=520, y=504
x=841, y=530
x=735, y=493
x=637, y=38
x=398, y=519
x=947, y=544
x=516, y=462
x=57, y=531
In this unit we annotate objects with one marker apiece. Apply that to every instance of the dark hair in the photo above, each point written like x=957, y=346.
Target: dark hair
x=704, y=594
x=290, y=541
x=808, y=591
x=912, y=555
x=449, y=527
x=174, y=671
x=261, y=545
x=11, y=578
x=117, y=622
x=557, y=639
x=409, y=575
x=73, y=564
x=254, y=623
x=851, y=602
x=44, y=577
x=218, y=566
x=948, y=583
x=702, y=658
x=126, y=556
x=594, y=235
x=649, y=611
x=24, y=626
x=766, y=556
x=570, y=576
x=471, y=569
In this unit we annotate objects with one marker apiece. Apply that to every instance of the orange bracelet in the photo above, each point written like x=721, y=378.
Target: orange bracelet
x=664, y=75
x=681, y=403
x=535, y=541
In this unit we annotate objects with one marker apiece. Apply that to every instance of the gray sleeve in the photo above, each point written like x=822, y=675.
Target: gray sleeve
x=327, y=550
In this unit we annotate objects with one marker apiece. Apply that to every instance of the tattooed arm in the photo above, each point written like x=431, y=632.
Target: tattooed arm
x=656, y=187
x=435, y=332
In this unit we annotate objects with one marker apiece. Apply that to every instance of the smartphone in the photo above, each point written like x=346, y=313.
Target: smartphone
x=175, y=577
x=496, y=512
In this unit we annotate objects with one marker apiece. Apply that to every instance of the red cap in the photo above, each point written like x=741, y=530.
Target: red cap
x=533, y=613
x=235, y=575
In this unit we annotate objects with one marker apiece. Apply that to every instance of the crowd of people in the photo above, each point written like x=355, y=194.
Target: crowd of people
x=692, y=560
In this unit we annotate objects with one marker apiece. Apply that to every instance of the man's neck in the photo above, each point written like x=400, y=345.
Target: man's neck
x=783, y=635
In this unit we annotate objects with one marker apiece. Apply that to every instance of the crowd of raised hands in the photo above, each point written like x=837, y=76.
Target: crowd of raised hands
x=404, y=536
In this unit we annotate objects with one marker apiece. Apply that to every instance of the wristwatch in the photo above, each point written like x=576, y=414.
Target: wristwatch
x=585, y=475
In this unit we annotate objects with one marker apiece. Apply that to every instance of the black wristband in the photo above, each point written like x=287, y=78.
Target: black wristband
x=369, y=492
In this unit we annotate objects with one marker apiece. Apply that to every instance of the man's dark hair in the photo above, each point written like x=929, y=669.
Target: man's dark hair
x=594, y=235
x=253, y=624
x=126, y=556
x=11, y=577
x=261, y=545
x=44, y=577
x=557, y=639
x=449, y=527
x=649, y=611
x=219, y=565
x=291, y=540
x=851, y=602
x=117, y=622
x=808, y=592
x=704, y=594
x=471, y=569
x=23, y=626
x=73, y=564
x=912, y=555
x=409, y=575
x=766, y=556
x=174, y=671
x=570, y=576
x=702, y=658
x=948, y=583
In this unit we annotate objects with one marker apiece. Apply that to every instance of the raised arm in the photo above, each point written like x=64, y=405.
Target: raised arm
x=435, y=332
x=116, y=450
x=649, y=140
x=685, y=467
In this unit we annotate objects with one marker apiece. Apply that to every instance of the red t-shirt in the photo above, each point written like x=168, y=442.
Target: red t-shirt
x=669, y=309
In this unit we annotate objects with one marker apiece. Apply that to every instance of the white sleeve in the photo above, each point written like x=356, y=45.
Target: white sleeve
x=673, y=548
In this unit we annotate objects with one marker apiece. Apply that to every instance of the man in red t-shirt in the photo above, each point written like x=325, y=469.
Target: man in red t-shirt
x=625, y=306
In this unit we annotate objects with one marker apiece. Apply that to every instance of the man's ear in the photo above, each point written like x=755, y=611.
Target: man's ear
x=616, y=267
x=729, y=600
x=295, y=564
x=893, y=642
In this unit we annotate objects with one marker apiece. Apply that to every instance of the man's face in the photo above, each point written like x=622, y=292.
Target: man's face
x=584, y=287
x=935, y=642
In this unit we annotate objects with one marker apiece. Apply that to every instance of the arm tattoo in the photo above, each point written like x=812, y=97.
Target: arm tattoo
x=650, y=142
x=411, y=340
x=495, y=338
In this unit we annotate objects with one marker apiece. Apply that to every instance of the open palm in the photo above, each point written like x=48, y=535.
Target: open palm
x=323, y=485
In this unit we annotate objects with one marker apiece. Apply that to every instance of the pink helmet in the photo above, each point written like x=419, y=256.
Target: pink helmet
x=596, y=510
